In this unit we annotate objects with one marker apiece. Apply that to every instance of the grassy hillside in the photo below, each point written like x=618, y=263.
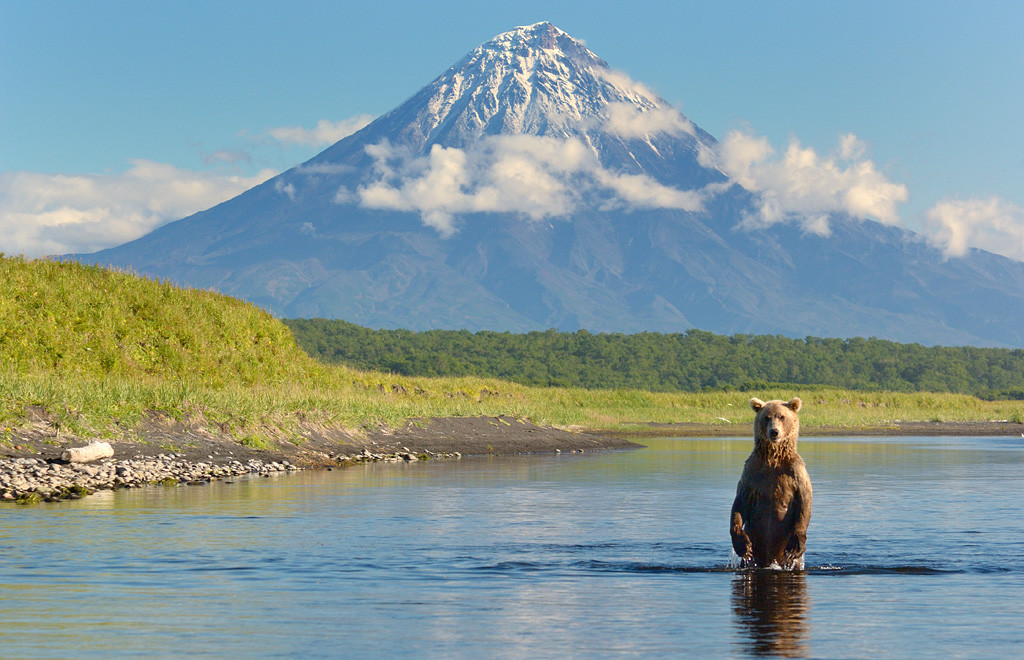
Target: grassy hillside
x=99, y=351
x=72, y=320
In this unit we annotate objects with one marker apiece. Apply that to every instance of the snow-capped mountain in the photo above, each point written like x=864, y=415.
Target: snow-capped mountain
x=533, y=186
x=533, y=80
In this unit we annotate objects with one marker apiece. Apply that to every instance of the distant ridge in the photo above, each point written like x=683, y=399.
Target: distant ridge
x=532, y=186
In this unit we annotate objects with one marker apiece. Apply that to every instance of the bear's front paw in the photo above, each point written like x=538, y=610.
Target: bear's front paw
x=741, y=546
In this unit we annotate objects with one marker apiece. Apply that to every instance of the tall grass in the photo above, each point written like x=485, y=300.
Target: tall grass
x=113, y=407
x=66, y=318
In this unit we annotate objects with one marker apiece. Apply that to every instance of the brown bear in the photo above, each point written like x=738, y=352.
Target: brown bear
x=773, y=499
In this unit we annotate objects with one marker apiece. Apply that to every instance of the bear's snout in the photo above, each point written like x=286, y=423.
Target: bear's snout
x=773, y=433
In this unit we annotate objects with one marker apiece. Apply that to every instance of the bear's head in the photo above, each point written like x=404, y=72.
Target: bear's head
x=777, y=426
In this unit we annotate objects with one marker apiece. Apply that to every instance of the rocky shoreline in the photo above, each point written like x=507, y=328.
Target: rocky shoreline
x=32, y=480
x=172, y=453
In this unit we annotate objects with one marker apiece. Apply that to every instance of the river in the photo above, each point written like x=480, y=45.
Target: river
x=915, y=549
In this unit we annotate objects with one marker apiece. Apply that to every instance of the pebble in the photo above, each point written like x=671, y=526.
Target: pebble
x=366, y=456
x=33, y=479
x=30, y=480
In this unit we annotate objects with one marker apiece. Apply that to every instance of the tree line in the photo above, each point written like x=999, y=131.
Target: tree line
x=694, y=360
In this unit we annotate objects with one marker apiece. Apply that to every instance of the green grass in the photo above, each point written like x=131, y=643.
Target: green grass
x=101, y=351
x=72, y=320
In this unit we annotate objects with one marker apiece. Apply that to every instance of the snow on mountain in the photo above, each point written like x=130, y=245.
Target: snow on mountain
x=533, y=80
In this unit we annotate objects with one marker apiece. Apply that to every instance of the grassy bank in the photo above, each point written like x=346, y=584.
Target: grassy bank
x=336, y=397
x=94, y=353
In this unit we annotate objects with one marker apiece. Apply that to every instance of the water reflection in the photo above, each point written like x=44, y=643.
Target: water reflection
x=772, y=612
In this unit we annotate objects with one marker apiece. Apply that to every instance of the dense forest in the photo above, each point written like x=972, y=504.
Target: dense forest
x=691, y=361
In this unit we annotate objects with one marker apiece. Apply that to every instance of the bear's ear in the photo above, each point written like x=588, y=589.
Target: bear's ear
x=794, y=404
x=756, y=404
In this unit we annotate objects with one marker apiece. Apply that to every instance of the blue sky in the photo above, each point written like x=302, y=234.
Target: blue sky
x=118, y=116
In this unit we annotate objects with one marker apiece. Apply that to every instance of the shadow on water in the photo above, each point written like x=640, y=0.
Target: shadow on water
x=772, y=612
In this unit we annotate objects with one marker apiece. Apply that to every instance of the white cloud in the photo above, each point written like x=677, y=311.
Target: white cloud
x=804, y=187
x=287, y=189
x=59, y=213
x=323, y=168
x=229, y=156
x=284, y=144
x=991, y=224
x=326, y=132
x=851, y=147
x=536, y=177
x=621, y=80
x=629, y=121
x=639, y=191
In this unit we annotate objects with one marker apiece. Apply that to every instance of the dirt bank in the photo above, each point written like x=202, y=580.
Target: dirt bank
x=317, y=445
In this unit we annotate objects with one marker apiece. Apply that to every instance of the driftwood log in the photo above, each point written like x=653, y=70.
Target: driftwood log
x=91, y=452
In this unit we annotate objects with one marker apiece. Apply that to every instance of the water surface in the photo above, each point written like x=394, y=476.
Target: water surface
x=916, y=548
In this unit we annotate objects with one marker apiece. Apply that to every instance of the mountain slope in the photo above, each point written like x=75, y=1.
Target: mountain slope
x=532, y=186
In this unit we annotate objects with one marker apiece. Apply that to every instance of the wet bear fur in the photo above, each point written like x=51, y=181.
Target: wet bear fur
x=773, y=498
